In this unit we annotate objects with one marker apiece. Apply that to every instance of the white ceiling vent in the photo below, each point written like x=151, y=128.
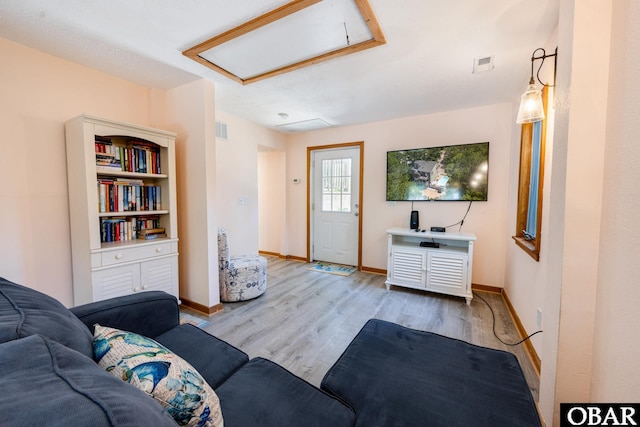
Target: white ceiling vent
x=482, y=64
x=221, y=131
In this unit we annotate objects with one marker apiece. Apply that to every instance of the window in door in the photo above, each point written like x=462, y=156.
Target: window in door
x=336, y=185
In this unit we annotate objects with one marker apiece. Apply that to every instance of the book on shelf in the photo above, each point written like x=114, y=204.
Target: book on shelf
x=116, y=229
x=150, y=231
x=148, y=221
x=103, y=145
x=102, y=197
x=127, y=195
x=151, y=236
x=107, y=166
x=107, y=155
x=130, y=181
x=133, y=155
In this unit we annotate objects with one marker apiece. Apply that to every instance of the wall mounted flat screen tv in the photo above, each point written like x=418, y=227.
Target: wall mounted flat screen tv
x=454, y=172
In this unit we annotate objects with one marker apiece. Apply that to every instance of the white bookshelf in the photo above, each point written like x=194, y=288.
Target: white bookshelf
x=124, y=264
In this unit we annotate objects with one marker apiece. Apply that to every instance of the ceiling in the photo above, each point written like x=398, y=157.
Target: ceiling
x=425, y=66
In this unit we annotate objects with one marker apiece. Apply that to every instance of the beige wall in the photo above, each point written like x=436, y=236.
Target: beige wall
x=189, y=111
x=237, y=180
x=587, y=86
x=526, y=278
x=39, y=94
x=589, y=349
x=582, y=205
x=585, y=279
x=272, y=201
x=615, y=374
x=488, y=220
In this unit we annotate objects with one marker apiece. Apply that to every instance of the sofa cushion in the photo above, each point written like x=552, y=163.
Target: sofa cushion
x=262, y=393
x=162, y=374
x=148, y=313
x=213, y=358
x=25, y=311
x=46, y=383
x=393, y=375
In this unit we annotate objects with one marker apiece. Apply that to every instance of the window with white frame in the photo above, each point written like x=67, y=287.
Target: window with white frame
x=336, y=185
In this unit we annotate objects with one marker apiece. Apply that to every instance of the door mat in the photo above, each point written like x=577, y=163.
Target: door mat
x=326, y=267
x=193, y=320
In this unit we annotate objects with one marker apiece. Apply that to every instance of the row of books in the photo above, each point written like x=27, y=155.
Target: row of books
x=124, y=195
x=137, y=156
x=121, y=229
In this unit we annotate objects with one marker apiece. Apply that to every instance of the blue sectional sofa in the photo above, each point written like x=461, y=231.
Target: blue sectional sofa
x=48, y=375
x=388, y=376
x=395, y=376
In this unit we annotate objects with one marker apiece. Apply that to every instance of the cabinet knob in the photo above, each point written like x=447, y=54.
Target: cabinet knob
x=136, y=289
x=118, y=256
x=159, y=249
x=144, y=287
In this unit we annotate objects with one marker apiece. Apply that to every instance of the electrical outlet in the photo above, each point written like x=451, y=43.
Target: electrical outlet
x=539, y=318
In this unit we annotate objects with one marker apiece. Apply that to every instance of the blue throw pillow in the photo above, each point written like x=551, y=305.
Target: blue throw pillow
x=44, y=383
x=25, y=311
x=153, y=368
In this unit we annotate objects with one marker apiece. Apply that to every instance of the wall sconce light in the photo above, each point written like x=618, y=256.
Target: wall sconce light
x=531, y=109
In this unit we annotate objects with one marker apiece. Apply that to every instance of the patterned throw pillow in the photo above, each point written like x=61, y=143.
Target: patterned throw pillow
x=157, y=371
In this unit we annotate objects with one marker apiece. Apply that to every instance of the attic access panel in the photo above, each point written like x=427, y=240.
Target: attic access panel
x=290, y=37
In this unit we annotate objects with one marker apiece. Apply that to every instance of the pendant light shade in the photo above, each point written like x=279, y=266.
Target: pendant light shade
x=531, y=109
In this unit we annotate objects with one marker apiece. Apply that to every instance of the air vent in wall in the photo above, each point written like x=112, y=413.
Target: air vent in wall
x=221, y=131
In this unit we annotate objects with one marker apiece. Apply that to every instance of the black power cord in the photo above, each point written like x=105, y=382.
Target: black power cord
x=493, y=315
x=463, y=218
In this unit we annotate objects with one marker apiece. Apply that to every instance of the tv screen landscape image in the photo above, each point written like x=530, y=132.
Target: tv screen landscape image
x=454, y=172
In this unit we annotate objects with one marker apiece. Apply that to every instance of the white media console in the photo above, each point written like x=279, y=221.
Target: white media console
x=445, y=269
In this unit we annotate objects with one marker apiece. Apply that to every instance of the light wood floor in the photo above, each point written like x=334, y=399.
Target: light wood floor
x=306, y=319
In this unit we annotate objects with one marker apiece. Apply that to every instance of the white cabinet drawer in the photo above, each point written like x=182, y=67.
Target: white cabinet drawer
x=122, y=255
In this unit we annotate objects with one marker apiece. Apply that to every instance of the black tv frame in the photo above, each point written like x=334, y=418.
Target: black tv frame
x=455, y=168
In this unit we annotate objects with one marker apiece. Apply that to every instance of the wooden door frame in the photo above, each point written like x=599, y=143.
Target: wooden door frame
x=360, y=145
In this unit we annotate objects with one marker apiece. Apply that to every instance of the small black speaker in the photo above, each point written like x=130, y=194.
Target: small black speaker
x=414, y=223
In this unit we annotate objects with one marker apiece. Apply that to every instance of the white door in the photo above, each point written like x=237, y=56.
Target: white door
x=335, y=208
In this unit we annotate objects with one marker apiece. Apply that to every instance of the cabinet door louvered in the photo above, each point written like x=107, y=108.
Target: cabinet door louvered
x=160, y=275
x=408, y=267
x=447, y=272
x=115, y=282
